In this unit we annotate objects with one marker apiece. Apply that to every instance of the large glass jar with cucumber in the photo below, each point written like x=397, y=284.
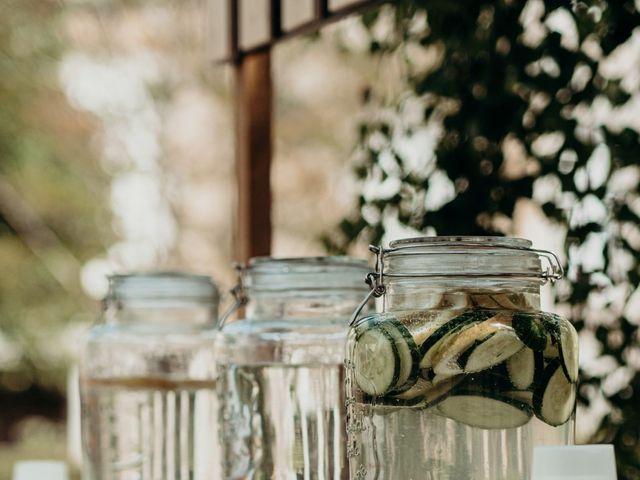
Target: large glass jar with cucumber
x=281, y=369
x=460, y=375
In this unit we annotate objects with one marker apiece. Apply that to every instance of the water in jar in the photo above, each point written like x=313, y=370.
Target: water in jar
x=282, y=411
x=150, y=429
x=461, y=391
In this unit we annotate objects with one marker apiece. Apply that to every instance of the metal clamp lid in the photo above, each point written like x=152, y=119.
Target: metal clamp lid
x=552, y=272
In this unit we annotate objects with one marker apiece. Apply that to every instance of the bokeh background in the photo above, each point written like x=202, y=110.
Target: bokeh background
x=116, y=154
x=116, y=147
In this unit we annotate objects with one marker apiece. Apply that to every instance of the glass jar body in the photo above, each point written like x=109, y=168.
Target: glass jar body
x=147, y=385
x=458, y=377
x=281, y=372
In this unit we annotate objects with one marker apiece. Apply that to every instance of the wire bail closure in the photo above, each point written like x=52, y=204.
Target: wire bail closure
x=374, y=280
x=239, y=294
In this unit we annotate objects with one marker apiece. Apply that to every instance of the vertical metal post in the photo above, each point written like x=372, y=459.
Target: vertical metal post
x=253, y=108
x=321, y=10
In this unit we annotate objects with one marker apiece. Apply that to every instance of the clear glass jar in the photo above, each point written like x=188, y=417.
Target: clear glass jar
x=281, y=371
x=460, y=375
x=147, y=381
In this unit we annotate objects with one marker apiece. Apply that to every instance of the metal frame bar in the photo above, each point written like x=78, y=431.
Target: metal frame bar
x=322, y=17
x=254, y=122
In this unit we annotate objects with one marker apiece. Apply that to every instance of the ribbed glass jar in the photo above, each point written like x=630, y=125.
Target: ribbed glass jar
x=281, y=371
x=460, y=375
x=147, y=381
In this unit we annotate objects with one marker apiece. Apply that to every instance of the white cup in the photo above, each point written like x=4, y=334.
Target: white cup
x=579, y=462
x=40, y=470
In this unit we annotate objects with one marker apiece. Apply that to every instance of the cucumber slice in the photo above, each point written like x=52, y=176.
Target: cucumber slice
x=554, y=398
x=389, y=401
x=431, y=345
x=407, y=352
x=568, y=350
x=438, y=379
x=427, y=393
x=487, y=410
x=445, y=360
x=419, y=389
x=551, y=351
x=511, y=301
x=490, y=351
x=376, y=360
x=385, y=339
x=445, y=357
x=531, y=330
x=521, y=368
x=484, y=301
x=422, y=325
x=441, y=389
x=565, y=339
x=521, y=396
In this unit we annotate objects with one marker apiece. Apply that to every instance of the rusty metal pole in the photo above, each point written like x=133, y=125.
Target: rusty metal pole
x=254, y=130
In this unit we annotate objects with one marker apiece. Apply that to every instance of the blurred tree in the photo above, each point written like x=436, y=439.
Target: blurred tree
x=50, y=221
x=528, y=100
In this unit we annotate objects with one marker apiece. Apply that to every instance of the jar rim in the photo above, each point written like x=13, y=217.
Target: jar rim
x=305, y=273
x=161, y=285
x=159, y=274
x=267, y=263
x=463, y=240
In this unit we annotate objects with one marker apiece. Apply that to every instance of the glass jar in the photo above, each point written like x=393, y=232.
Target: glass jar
x=147, y=381
x=281, y=373
x=460, y=375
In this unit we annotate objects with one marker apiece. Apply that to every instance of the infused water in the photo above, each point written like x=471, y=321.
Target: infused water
x=414, y=444
x=150, y=429
x=461, y=391
x=283, y=422
x=280, y=369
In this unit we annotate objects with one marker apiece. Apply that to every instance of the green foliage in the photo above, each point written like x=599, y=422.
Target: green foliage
x=510, y=101
x=49, y=183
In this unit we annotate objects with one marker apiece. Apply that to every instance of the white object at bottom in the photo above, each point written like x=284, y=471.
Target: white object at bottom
x=579, y=462
x=40, y=470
